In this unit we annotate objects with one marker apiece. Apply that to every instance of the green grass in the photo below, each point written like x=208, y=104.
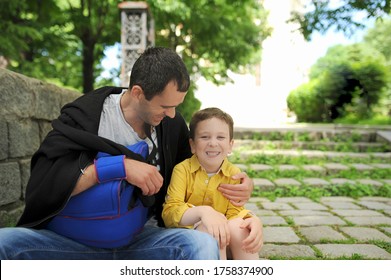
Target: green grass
x=301, y=159
x=300, y=173
x=315, y=193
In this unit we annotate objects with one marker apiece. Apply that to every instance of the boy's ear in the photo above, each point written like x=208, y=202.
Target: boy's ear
x=192, y=145
x=231, y=145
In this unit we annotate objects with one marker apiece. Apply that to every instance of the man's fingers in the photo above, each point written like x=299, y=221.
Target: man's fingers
x=239, y=203
x=144, y=176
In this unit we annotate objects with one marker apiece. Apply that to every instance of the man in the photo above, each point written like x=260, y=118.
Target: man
x=106, y=120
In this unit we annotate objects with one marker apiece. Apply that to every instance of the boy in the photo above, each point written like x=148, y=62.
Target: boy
x=193, y=200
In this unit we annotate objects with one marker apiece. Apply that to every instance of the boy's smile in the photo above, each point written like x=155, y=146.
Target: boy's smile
x=211, y=143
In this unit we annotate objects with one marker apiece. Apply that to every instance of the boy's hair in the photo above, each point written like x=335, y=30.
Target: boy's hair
x=207, y=114
x=155, y=68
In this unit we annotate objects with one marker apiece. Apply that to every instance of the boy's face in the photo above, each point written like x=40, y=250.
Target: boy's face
x=211, y=143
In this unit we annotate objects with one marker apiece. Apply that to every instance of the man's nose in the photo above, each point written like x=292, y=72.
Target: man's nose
x=170, y=113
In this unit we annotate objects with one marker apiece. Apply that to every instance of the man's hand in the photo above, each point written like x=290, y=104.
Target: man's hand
x=144, y=176
x=238, y=194
x=254, y=241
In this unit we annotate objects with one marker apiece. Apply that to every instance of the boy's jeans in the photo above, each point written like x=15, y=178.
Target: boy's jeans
x=153, y=243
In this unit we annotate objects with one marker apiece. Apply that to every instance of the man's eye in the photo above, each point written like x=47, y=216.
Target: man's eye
x=221, y=137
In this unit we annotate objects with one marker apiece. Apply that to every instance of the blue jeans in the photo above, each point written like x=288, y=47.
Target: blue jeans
x=153, y=243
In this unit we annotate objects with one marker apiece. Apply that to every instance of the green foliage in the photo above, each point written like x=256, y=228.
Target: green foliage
x=190, y=105
x=302, y=159
x=21, y=23
x=379, y=37
x=300, y=173
x=58, y=41
x=348, y=80
x=320, y=16
x=306, y=103
x=375, y=120
x=62, y=41
x=212, y=36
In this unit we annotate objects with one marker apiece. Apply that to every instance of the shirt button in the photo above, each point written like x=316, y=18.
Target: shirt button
x=206, y=181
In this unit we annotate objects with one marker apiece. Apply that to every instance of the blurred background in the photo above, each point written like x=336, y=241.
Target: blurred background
x=265, y=62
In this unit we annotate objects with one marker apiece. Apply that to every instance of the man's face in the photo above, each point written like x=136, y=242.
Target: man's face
x=162, y=105
x=211, y=143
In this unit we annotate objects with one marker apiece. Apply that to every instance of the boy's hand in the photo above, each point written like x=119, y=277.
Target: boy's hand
x=216, y=224
x=254, y=241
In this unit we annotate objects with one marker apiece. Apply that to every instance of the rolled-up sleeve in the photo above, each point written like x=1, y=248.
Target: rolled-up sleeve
x=175, y=205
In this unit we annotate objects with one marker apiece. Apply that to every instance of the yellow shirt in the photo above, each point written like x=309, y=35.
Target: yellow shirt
x=190, y=186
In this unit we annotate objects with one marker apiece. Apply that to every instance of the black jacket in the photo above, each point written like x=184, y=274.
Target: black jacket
x=73, y=143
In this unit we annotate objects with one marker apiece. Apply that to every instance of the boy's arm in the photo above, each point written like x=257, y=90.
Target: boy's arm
x=211, y=220
x=175, y=205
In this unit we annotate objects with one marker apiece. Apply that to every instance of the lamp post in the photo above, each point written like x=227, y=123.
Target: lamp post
x=137, y=34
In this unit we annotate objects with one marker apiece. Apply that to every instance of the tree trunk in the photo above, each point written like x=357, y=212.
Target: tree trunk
x=88, y=65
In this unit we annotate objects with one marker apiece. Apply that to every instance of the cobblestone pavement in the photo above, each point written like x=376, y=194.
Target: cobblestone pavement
x=331, y=228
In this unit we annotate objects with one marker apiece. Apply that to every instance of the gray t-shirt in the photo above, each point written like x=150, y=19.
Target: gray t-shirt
x=113, y=125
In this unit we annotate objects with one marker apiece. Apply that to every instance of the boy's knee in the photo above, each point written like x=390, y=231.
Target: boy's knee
x=237, y=233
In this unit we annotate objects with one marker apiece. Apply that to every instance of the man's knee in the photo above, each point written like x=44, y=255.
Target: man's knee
x=8, y=236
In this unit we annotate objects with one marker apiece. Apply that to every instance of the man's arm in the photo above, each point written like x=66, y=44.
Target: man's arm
x=86, y=180
x=140, y=174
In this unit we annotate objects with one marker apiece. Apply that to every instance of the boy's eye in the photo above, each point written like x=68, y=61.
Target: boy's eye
x=221, y=137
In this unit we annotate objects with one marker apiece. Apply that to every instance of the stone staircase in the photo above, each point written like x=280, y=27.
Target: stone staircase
x=347, y=223
x=276, y=159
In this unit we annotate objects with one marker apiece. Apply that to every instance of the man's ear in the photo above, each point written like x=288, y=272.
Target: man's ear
x=137, y=92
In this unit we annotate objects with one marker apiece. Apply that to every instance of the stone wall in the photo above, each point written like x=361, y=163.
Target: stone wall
x=27, y=107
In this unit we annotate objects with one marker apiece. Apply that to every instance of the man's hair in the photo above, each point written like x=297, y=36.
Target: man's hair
x=155, y=68
x=210, y=113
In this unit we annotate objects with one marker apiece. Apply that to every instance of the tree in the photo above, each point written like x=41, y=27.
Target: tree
x=348, y=80
x=212, y=36
x=321, y=15
x=29, y=36
x=93, y=24
x=65, y=39
x=379, y=38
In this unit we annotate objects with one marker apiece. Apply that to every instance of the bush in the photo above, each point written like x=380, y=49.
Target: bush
x=348, y=80
x=306, y=104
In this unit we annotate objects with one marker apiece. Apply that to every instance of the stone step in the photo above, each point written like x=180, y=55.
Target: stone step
x=322, y=170
x=384, y=136
x=244, y=155
x=362, y=147
x=313, y=133
x=263, y=184
x=329, y=228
